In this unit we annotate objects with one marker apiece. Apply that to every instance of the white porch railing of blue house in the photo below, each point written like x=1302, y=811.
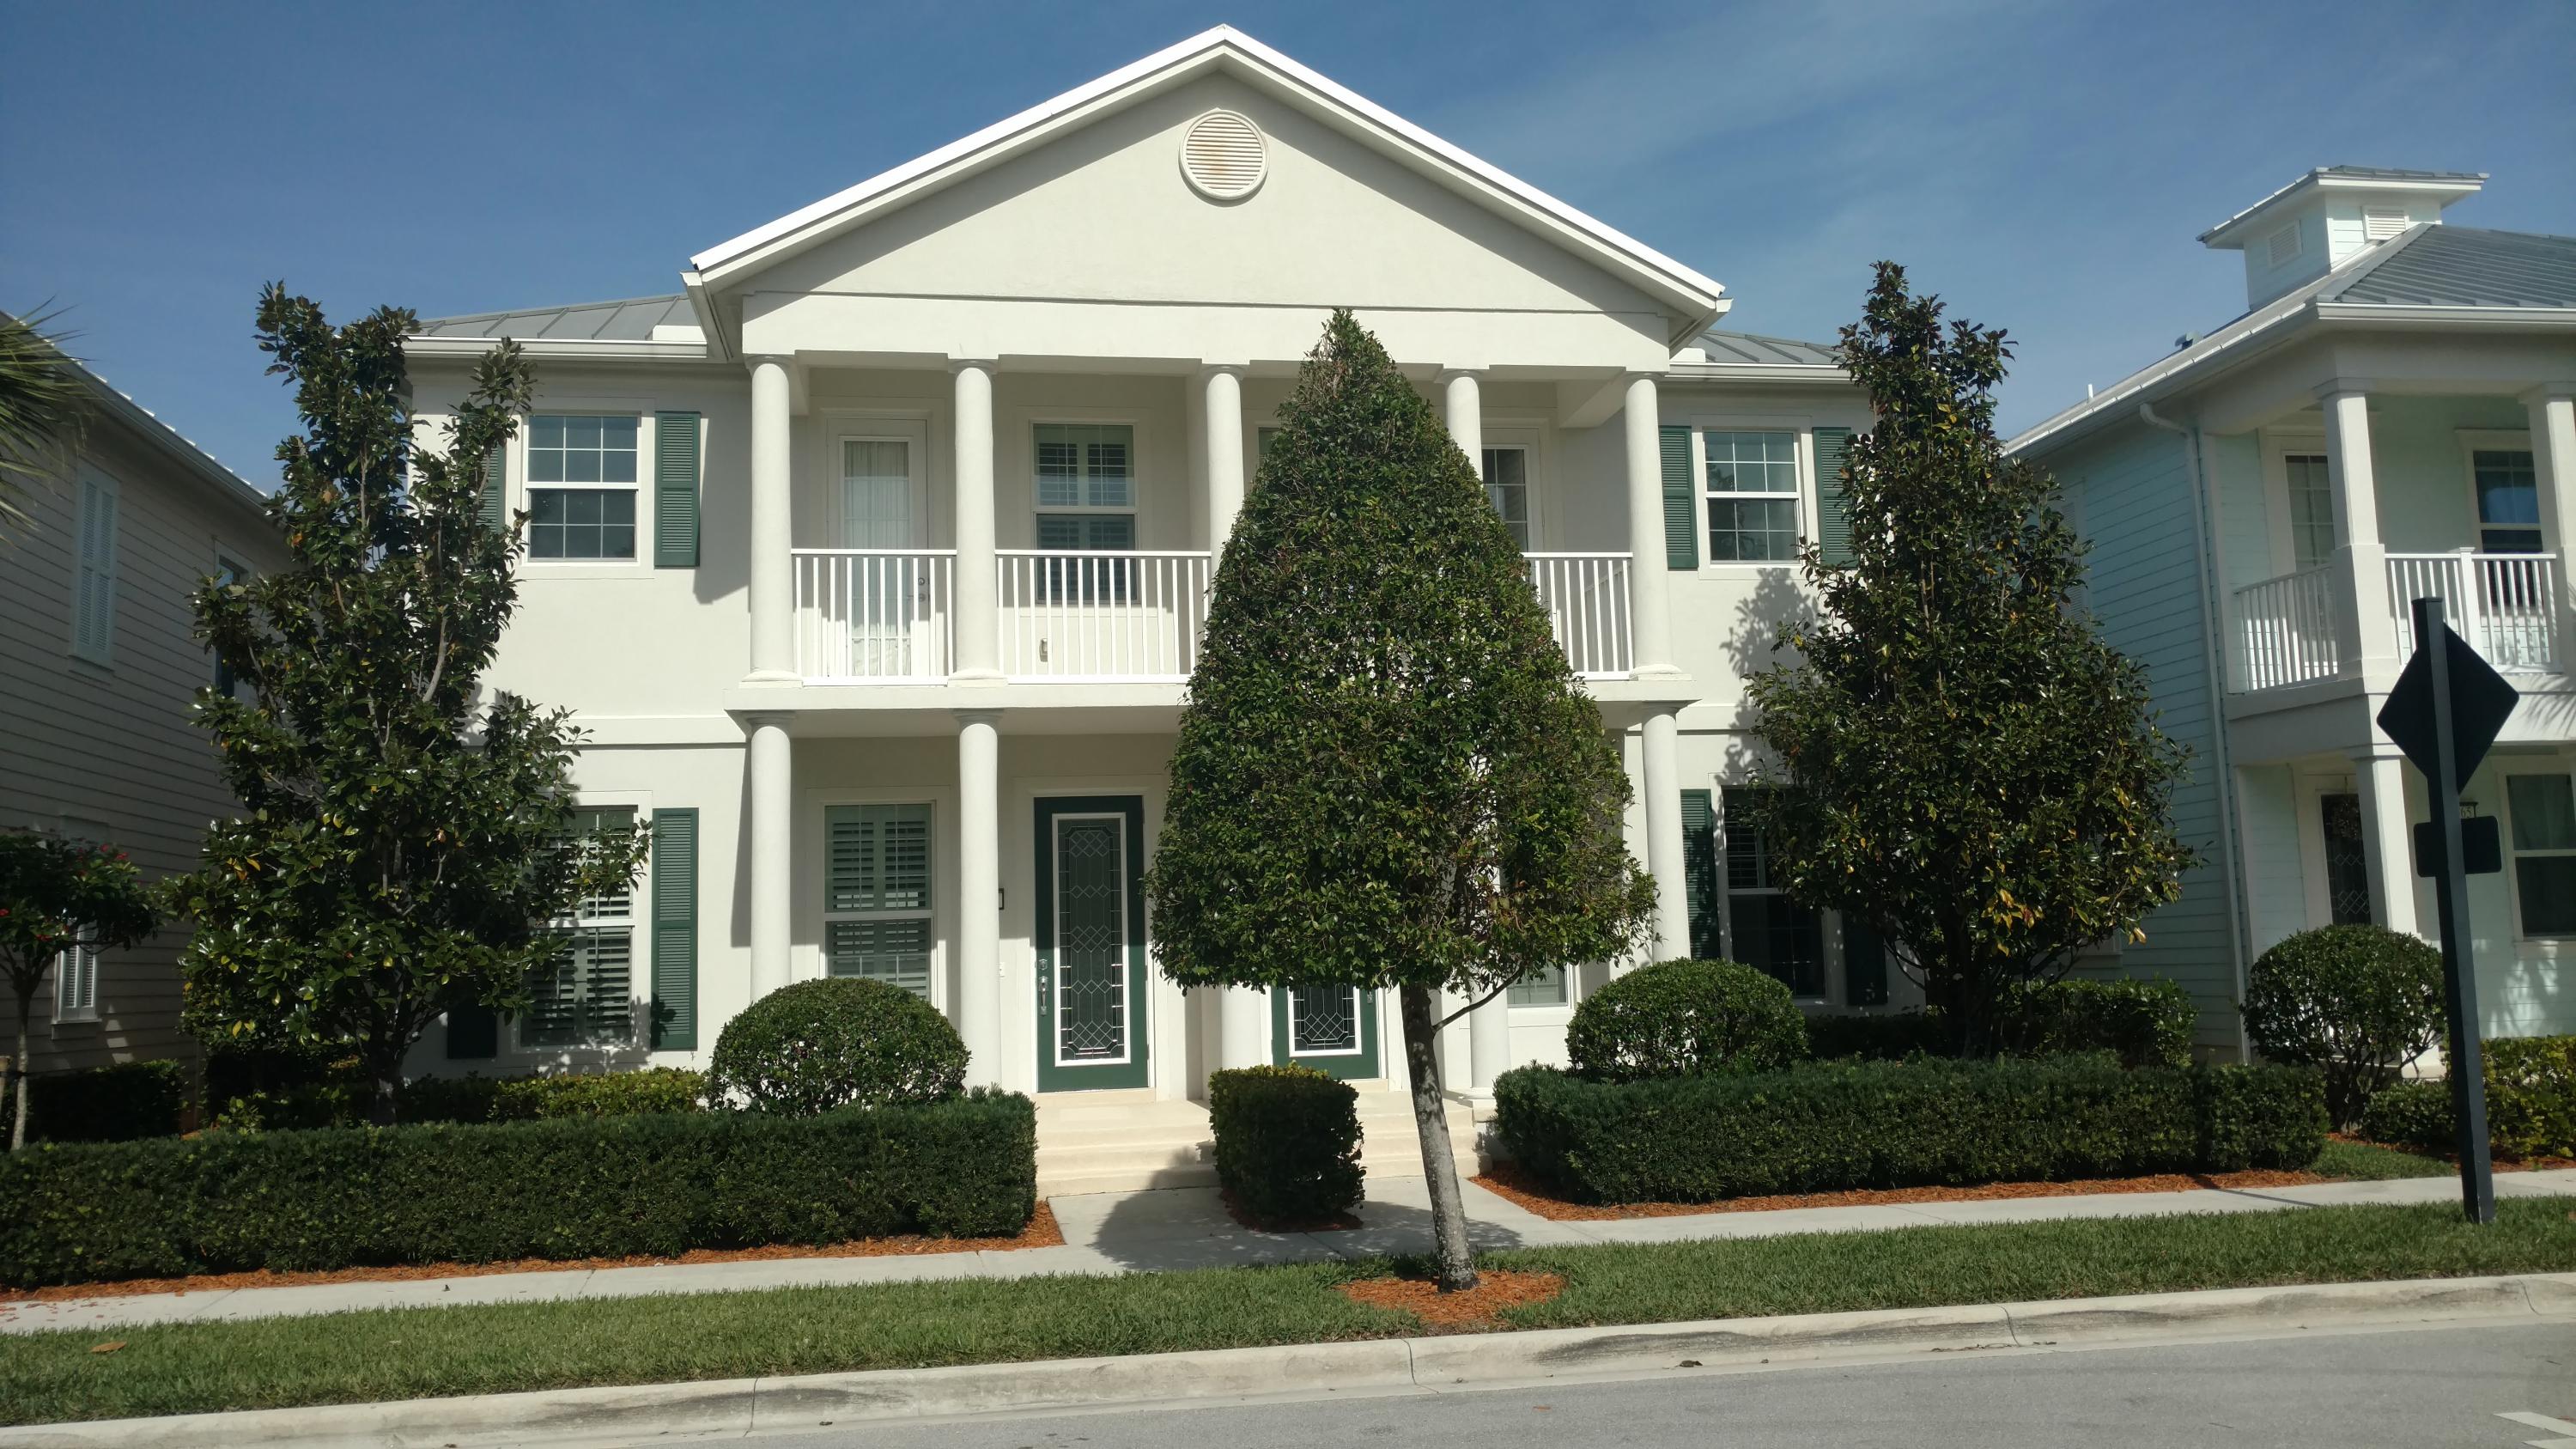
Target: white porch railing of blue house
x=888, y=616
x=2510, y=615
x=879, y=614
x=2285, y=631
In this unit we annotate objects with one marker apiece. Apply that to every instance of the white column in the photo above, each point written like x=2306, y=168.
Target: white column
x=1221, y=428
x=1464, y=405
x=979, y=895
x=1648, y=606
x=2387, y=840
x=2553, y=457
x=2368, y=630
x=1242, y=1027
x=773, y=845
x=773, y=580
x=1663, y=786
x=979, y=642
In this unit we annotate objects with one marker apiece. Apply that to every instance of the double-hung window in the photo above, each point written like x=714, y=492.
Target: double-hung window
x=2311, y=497
x=1766, y=930
x=1507, y=488
x=2508, y=500
x=1545, y=987
x=581, y=486
x=1752, y=496
x=877, y=894
x=2544, y=851
x=1086, y=489
x=76, y=978
x=585, y=995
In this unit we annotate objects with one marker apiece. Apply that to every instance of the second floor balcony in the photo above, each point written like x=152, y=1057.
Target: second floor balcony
x=890, y=616
x=2298, y=629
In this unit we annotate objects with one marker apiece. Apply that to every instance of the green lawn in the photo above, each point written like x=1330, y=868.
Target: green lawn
x=2370, y=1162
x=413, y=1353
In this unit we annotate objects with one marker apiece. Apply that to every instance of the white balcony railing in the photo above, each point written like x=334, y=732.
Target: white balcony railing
x=1586, y=597
x=1101, y=615
x=876, y=614
x=2285, y=631
x=2510, y=616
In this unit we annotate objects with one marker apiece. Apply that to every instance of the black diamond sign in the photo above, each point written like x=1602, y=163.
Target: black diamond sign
x=2480, y=700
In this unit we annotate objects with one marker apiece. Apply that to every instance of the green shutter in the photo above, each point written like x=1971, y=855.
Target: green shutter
x=1833, y=524
x=1681, y=501
x=675, y=930
x=1864, y=964
x=473, y=1033
x=495, y=491
x=1699, y=871
x=675, y=490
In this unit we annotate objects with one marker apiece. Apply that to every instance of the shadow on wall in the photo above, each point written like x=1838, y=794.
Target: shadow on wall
x=1777, y=603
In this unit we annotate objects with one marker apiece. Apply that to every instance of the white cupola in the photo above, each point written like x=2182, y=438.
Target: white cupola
x=2329, y=216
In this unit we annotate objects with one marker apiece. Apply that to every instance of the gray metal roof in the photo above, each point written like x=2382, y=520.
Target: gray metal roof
x=1749, y=348
x=2458, y=266
x=632, y=320
x=2465, y=180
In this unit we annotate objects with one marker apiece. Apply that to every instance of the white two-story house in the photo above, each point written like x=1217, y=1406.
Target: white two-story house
x=874, y=561
x=2392, y=417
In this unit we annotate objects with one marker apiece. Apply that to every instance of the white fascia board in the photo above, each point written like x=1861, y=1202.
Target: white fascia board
x=567, y=347
x=1701, y=299
x=2444, y=191
x=1793, y=374
x=2520, y=319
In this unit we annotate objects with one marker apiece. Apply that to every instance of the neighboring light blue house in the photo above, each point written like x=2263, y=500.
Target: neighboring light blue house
x=2393, y=416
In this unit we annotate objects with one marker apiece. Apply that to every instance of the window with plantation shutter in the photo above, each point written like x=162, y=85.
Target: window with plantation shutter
x=674, y=878
x=1768, y=931
x=675, y=490
x=1681, y=501
x=584, y=996
x=496, y=493
x=76, y=978
x=877, y=894
x=1833, y=523
x=1699, y=873
x=94, y=578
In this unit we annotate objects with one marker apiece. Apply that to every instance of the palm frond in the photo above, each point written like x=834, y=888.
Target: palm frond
x=44, y=409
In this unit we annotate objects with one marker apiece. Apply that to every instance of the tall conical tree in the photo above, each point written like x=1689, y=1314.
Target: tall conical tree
x=1969, y=766
x=1386, y=777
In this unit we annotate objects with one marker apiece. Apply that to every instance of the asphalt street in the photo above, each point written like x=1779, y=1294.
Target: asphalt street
x=2411, y=1389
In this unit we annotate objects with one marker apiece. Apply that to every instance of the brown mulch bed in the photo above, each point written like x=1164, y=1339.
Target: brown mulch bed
x=1337, y=1223
x=1509, y=1182
x=1477, y=1308
x=1040, y=1233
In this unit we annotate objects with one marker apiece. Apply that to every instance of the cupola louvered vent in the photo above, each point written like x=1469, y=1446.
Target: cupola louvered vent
x=1223, y=156
x=2379, y=223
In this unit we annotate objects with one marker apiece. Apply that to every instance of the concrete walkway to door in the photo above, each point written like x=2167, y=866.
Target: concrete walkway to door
x=1175, y=1229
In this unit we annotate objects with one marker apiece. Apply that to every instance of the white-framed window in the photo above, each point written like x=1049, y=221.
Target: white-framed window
x=581, y=483
x=585, y=995
x=1086, y=486
x=2543, y=811
x=2311, y=499
x=76, y=979
x=94, y=569
x=878, y=894
x=2508, y=489
x=1752, y=496
x=1545, y=988
x=1506, y=472
x=1764, y=928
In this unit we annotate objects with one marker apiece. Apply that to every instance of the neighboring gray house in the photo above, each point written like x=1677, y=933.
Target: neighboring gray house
x=2394, y=416
x=96, y=738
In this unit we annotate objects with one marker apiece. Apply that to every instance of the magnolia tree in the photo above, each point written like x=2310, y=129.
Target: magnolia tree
x=55, y=894
x=1968, y=766
x=1386, y=776
x=404, y=844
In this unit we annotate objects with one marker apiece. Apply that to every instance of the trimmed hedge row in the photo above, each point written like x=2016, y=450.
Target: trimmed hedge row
x=2145, y=1023
x=2531, y=1102
x=657, y=1184
x=472, y=1098
x=1287, y=1141
x=118, y=1103
x=1917, y=1123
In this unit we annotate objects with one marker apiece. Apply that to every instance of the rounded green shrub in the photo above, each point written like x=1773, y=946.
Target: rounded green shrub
x=1287, y=1142
x=835, y=1042
x=2412, y=1114
x=1683, y=1019
x=2356, y=1002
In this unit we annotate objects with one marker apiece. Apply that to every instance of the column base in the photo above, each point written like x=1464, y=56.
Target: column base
x=771, y=678
x=978, y=677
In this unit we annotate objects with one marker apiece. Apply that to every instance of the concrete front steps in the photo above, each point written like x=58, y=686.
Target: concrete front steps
x=1130, y=1142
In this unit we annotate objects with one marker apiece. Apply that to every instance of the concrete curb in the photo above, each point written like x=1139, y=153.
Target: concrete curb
x=1382, y=1366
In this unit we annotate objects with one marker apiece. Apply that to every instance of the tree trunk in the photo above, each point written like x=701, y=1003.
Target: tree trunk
x=387, y=1077
x=18, y=1077
x=1454, y=1267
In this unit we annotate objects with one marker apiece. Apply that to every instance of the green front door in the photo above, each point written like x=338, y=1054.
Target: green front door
x=1091, y=943
x=1329, y=1028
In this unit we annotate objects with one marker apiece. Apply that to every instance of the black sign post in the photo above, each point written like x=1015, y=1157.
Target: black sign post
x=2447, y=708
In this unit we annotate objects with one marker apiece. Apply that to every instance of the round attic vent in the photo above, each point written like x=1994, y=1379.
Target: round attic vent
x=1223, y=157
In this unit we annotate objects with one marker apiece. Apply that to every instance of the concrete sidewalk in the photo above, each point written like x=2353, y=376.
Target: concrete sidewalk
x=1163, y=1231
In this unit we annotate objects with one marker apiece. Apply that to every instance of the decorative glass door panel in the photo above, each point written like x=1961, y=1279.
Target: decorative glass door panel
x=1091, y=944
x=1330, y=1028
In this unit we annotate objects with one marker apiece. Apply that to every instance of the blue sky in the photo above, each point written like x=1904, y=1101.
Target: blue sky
x=2045, y=166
